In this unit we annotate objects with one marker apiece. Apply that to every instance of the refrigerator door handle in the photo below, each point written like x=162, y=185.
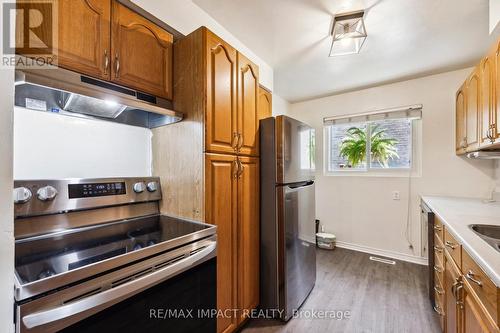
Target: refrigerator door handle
x=301, y=184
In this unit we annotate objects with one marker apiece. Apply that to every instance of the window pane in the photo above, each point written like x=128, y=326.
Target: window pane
x=347, y=147
x=391, y=144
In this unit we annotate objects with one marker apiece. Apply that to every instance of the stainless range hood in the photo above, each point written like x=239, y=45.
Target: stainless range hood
x=67, y=92
x=484, y=155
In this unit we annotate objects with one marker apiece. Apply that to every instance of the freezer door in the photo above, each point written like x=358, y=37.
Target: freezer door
x=299, y=250
x=295, y=149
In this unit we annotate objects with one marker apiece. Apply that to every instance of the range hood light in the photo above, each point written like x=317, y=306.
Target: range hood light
x=111, y=102
x=349, y=33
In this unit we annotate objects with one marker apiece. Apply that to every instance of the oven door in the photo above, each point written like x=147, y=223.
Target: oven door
x=172, y=292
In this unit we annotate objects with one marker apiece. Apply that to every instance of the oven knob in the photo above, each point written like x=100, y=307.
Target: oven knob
x=46, y=193
x=21, y=195
x=152, y=186
x=139, y=187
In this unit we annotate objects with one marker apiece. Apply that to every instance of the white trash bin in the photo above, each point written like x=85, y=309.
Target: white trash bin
x=325, y=240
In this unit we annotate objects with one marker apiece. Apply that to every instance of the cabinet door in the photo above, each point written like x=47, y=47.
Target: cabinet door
x=495, y=55
x=265, y=103
x=221, y=122
x=451, y=283
x=248, y=116
x=83, y=36
x=221, y=209
x=460, y=105
x=472, y=318
x=473, y=101
x=486, y=75
x=248, y=233
x=141, y=53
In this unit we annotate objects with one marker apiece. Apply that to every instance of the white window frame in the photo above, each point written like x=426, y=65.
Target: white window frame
x=416, y=160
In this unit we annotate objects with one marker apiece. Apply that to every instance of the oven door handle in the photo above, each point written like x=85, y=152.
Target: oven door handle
x=95, y=303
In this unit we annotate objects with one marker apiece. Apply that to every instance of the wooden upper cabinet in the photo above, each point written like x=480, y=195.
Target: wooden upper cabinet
x=249, y=234
x=221, y=133
x=221, y=210
x=248, y=116
x=141, y=53
x=83, y=36
x=473, y=102
x=495, y=55
x=461, y=140
x=486, y=74
x=265, y=103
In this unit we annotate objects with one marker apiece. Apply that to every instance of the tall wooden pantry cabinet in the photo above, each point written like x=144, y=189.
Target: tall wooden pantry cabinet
x=209, y=162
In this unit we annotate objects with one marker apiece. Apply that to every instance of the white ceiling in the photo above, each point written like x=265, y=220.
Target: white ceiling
x=406, y=39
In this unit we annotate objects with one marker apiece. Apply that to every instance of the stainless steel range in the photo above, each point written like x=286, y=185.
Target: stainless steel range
x=95, y=254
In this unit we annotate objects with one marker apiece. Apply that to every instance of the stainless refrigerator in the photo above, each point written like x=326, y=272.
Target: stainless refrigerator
x=287, y=233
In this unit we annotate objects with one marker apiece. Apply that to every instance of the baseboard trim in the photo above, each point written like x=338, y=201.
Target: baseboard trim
x=384, y=253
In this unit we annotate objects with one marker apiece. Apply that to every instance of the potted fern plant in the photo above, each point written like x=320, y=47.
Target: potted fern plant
x=353, y=146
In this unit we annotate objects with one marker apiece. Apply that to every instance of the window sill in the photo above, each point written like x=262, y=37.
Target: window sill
x=374, y=174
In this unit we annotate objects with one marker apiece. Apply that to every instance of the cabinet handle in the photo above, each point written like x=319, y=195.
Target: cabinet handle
x=437, y=308
x=438, y=290
x=450, y=245
x=437, y=228
x=106, y=62
x=240, y=168
x=489, y=134
x=454, y=287
x=470, y=275
x=117, y=64
x=464, y=143
x=492, y=133
x=234, y=141
x=438, y=269
x=459, y=301
x=240, y=141
x=235, y=169
x=438, y=249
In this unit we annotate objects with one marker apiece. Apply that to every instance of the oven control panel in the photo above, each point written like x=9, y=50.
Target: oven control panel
x=39, y=197
x=88, y=190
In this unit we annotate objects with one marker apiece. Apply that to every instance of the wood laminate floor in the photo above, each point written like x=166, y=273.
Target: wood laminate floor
x=379, y=297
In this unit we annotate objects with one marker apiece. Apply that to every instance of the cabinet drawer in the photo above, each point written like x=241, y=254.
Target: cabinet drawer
x=439, y=293
x=438, y=230
x=439, y=309
x=438, y=250
x=438, y=272
x=453, y=247
x=484, y=288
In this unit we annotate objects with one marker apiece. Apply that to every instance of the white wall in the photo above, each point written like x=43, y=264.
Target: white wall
x=49, y=145
x=494, y=14
x=185, y=16
x=360, y=210
x=6, y=204
x=280, y=106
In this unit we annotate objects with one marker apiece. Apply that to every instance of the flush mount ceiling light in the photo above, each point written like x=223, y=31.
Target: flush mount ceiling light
x=349, y=33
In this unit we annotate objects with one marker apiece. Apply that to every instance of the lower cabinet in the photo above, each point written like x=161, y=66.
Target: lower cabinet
x=453, y=306
x=466, y=300
x=472, y=318
x=221, y=210
x=232, y=203
x=248, y=232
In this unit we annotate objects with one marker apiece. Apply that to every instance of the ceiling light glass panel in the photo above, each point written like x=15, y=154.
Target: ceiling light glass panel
x=349, y=34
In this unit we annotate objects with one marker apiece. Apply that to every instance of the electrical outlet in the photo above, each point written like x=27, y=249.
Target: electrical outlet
x=396, y=195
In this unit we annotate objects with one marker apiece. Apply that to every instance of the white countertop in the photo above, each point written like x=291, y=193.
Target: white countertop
x=457, y=214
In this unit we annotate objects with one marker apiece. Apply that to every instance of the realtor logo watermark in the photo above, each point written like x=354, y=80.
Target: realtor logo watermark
x=30, y=37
